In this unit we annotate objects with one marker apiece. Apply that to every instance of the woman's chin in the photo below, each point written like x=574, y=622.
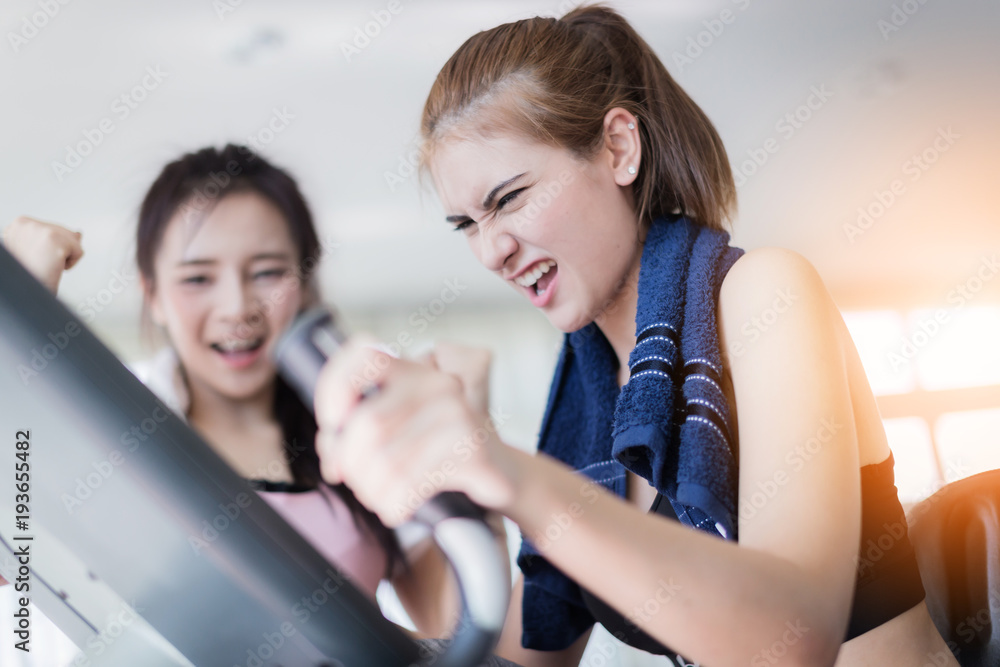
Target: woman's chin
x=242, y=391
x=241, y=386
x=567, y=322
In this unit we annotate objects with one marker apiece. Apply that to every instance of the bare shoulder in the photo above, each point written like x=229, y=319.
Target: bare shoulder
x=759, y=272
x=770, y=289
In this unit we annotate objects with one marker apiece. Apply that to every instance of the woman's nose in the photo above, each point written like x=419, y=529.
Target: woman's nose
x=496, y=248
x=236, y=299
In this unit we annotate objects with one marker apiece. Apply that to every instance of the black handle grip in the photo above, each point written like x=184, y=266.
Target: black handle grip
x=458, y=524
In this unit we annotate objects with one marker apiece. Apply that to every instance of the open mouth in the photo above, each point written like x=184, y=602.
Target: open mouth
x=539, y=278
x=239, y=352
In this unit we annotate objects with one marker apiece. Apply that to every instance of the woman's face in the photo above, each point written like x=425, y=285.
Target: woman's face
x=226, y=287
x=559, y=230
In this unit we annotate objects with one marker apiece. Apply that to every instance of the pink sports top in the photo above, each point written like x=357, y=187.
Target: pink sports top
x=326, y=522
x=318, y=514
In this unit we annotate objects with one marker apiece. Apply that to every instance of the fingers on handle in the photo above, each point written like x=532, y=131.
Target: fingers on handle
x=345, y=378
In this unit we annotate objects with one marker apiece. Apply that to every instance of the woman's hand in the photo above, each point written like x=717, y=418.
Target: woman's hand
x=471, y=365
x=414, y=437
x=45, y=249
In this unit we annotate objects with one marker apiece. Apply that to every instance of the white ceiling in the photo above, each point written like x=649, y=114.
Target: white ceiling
x=355, y=120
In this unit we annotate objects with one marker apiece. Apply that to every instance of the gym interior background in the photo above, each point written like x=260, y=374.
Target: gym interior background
x=862, y=134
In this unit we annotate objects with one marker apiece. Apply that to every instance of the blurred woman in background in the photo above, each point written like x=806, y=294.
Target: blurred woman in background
x=227, y=251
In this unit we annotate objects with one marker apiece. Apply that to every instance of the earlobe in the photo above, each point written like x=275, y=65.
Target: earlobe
x=155, y=313
x=153, y=303
x=624, y=145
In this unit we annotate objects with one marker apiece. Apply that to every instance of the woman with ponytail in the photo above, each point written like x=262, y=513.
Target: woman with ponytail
x=700, y=492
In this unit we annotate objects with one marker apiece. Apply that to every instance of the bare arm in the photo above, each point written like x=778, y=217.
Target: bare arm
x=510, y=641
x=429, y=591
x=790, y=579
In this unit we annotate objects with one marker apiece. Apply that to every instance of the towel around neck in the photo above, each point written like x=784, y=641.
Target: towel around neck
x=671, y=423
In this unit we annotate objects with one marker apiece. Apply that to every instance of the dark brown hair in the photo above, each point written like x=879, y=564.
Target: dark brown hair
x=554, y=80
x=191, y=186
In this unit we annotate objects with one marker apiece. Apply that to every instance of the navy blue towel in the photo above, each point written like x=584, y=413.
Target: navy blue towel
x=672, y=420
x=670, y=423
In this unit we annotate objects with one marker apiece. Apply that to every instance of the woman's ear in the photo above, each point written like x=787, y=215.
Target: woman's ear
x=153, y=301
x=622, y=145
x=310, y=294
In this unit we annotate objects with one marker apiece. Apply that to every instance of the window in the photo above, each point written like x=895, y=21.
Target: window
x=936, y=376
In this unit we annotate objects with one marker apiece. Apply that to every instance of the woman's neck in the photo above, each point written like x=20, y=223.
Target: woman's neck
x=213, y=411
x=617, y=321
x=244, y=432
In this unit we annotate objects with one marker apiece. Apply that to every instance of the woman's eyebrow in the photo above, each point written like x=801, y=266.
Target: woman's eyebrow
x=198, y=261
x=488, y=201
x=271, y=255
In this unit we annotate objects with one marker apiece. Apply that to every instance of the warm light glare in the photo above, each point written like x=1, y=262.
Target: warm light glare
x=916, y=471
x=933, y=350
x=968, y=442
x=878, y=334
x=962, y=347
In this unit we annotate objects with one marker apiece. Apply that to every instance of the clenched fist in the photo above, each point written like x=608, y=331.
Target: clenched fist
x=45, y=249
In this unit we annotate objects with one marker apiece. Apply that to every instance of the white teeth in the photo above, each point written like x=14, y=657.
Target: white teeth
x=238, y=345
x=529, y=278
